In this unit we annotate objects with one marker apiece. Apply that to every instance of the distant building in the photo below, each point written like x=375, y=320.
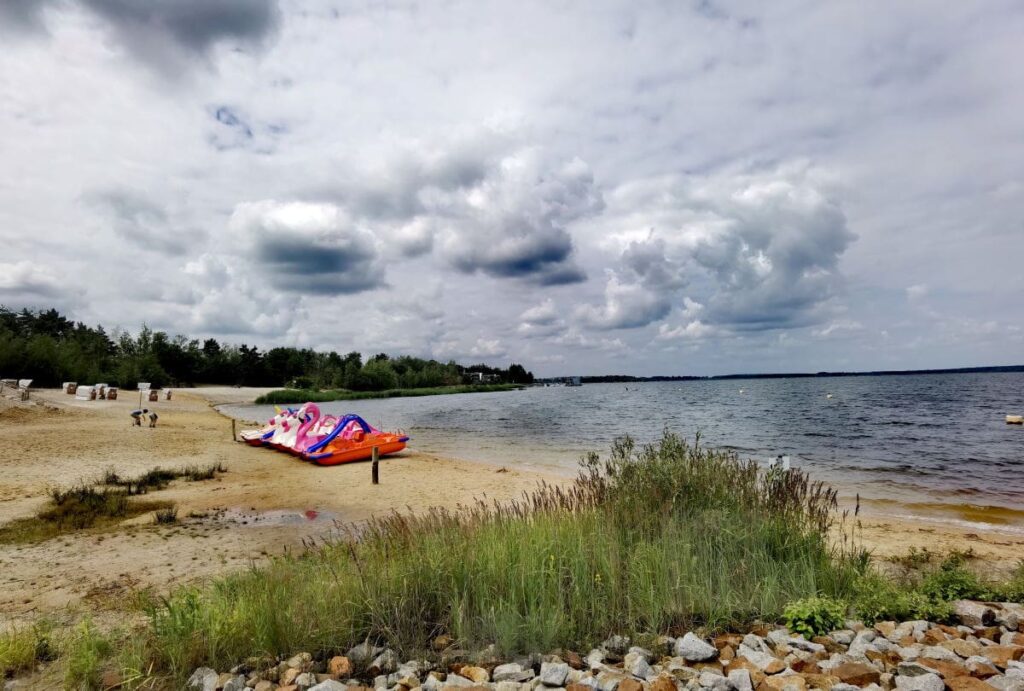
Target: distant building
x=482, y=378
x=573, y=381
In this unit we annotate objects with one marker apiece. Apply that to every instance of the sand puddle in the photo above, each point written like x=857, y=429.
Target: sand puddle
x=276, y=517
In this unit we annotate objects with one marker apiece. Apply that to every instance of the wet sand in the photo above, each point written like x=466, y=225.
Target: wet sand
x=266, y=503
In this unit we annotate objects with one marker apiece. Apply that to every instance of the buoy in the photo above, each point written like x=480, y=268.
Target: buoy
x=741, y=390
x=828, y=395
x=1015, y=419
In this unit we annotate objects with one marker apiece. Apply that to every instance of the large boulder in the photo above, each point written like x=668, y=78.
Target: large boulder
x=923, y=682
x=973, y=613
x=203, y=679
x=695, y=649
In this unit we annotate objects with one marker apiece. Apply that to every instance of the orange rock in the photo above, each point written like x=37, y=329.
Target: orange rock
x=822, y=681
x=289, y=676
x=726, y=653
x=951, y=631
x=1016, y=639
x=289, y=687
x=661, y=683
x=1001, y=655
x=340, y=667
x=961, y=647
x=475, y=674
x=630, y=685
x=809, y=666
x=857, y=673
x=967, y=684
x=707, y=666
x=934, y=637
x=989, y=632
x=731, y=640
x=778, y=682
x=945, y=668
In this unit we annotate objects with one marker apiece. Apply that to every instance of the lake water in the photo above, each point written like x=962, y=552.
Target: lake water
x=923, y=445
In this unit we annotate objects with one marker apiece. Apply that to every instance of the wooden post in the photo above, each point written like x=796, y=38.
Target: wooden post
x=233, y=437
x=376, y=465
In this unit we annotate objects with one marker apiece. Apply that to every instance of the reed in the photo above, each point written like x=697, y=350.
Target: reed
x=652, y=539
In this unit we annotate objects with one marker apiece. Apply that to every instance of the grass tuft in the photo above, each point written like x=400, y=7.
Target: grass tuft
x=166, y=516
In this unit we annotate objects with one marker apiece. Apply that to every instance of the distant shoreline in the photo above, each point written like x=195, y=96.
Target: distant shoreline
x=309, y=395
x=625, y=378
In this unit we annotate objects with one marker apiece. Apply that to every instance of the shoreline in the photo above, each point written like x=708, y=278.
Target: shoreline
x=266, y=504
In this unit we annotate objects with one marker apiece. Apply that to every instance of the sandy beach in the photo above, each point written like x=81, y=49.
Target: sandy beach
x=265, y=503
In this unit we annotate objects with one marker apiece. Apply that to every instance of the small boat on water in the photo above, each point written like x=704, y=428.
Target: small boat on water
x=324, y=439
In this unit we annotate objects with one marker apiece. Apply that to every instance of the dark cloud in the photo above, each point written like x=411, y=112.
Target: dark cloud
x=162, y=32
x=137, y=219
x=308, y=248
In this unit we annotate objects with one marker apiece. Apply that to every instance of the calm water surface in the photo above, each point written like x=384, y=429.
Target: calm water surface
x=928, y=444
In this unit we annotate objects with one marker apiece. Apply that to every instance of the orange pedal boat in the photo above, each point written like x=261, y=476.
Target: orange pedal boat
x=353, y=439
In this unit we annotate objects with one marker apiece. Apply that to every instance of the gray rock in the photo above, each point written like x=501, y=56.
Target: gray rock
x=305, y=680
x=778, y=637
x=842, y=637
x=845, y=687
x=363, y=654
x=385, y=663
x=588, y=680
x=867, y=635
x=973, y=613
x=617, y=645
x=1004, y=683
x=801, y=643
x=937, y=652
x=1015, y=673
x=710, y=680
x=595, y=658
x=976, y=664
x=694, y=649
x=756, y=643
x=636, y=664
x=909, y=653
x=760, y=660
x=913, y=669
x=380, y=682
x=922, y=682
x=329, y=685
x=203, y=679
x=236, y=683
x=456, y=680
x=554, y=673
x=513, y=671
x=740, y=680
x=431, y=683
x=1010, y=615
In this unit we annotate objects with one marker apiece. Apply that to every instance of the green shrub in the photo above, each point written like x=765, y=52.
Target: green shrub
x=1013, y=589
x=951, y=581
x=22, y=648
x=880, y=599
x=814, y=616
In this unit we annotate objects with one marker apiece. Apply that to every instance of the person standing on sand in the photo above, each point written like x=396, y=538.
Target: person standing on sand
x=137, y=417
x=152, y=419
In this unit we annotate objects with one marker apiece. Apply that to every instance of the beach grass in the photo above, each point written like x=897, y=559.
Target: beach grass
x=288, y=396
x=103, y=504
x=655, y=539
x=23, y=647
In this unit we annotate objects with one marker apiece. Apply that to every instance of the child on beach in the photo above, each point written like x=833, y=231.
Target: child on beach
x=152, y=419
x=137, y=417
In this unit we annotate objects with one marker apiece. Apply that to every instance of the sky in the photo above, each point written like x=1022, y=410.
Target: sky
x=595, y=187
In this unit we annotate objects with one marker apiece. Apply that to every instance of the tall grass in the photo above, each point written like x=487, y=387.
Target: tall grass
x=286, y=396
x=653, y=539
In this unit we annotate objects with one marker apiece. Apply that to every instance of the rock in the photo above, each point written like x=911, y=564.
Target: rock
x=594, y=659
x=967, y=684
x=305, y=680
x=666, y=683
x=778, y=637
x=577, y=686
x=980, y=667
x=616, y=646
x=843, y=636
x=384, y=663
x=936, y=652
x=329, y=685
x=554, y=673
x=235, y=683
x=289, y=676
x=1006, y=683
x=755, y=643
x=962, y=647
x=339, y=667
x=636, y=663
x=457, y=680
x=821, y=681
x=694, y=649
x=476, y=674
x=203, y=679
x=845, y=687
x=266, y=685
x=945, y=668
x=710, y=680
x=1010, y=615
x=740, y=680
x=913, y=669
x=630, y=685
x=363, y=654
x=856, y=673
x=973, y=613
x=801, y=643
x=511, y=672
x=1011, y=638
x=609, y=681
x=514, y=686
x=923, y=682
x=769, y=664
x=783, y=682
x=1001, y=655
x=300, y=662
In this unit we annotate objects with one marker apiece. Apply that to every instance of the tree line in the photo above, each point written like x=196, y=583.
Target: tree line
x=49, y=348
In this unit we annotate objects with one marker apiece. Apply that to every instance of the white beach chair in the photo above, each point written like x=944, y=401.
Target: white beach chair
x=85, y=393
